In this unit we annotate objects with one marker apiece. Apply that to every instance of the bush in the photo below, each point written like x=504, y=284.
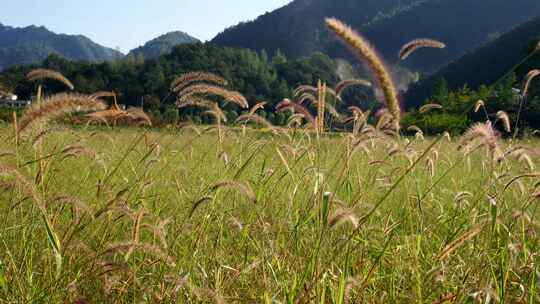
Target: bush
x=437, y=123
x=231, y=116
x=6, y=114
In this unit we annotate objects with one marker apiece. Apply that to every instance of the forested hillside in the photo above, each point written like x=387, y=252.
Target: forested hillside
x=256, y=75
x=491, y=78
x=297, y=29
x=487, y=64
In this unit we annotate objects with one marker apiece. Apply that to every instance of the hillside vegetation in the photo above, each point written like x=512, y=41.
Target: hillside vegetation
x=297, y=29
x=486, y=64
x=258, y=76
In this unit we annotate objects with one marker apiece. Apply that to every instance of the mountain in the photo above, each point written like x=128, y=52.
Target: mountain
x=298, y=29
x=486, y=64
x=33, y=44
x=163, y=44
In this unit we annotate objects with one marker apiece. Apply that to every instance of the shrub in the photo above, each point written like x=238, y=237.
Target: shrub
x=170, y=114
x=437, y=123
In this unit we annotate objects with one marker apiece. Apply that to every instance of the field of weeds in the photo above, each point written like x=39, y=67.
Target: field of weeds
x=191, y=215
x=329, y=208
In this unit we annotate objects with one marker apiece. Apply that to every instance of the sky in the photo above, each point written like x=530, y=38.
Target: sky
x=127, y=24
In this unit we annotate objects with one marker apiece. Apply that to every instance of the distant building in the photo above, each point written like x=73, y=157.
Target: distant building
x=13, y=101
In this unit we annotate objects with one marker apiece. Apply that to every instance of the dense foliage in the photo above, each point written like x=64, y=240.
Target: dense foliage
x=458, y=112
x=297, y=29
x=33, y=44
x=493, y=73
x=147, y=82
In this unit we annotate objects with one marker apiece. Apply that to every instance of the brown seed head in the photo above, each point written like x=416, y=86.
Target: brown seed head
x=365, y=51
x=416, y=44
x=49, y=74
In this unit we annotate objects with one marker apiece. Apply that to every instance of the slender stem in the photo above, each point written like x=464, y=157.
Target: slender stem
x=39, y=151
x=486, y=112
x=516, y=126
x=16, y=130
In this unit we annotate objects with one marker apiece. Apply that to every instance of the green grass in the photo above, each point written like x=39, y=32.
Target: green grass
x=264, y=236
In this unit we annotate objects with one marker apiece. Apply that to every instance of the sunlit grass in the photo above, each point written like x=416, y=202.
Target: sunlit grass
x=170, y=215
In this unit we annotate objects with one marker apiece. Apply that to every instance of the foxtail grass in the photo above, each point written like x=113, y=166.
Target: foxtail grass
x=412, y=46
x=527, y=82
x=188, y=79
x=41, y=74
x=57, y=106
x=505, y=119
x=257, y=107
x=255, y=118
x=366, y=52
x=210, y=90
x=344, y=84
x=428, y=107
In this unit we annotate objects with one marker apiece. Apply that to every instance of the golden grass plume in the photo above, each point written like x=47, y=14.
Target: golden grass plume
x=344, y=84
x=39, y=74
x=243, y=188
x=478, y=105
x=286, y=104
x=138, y=115
x=211, y=90
x=255, y=118
x=102, y=94
x=528, y=79
x=27, y=187
x=505, y=119
x=343, y=216
x=412, y=46
x=428, y=107
x=447, y=251
x=308, y=97
x=364, y=50
x=217, y=113
x=195, y=101
x=415, y=129
x=187, y=79
x=144, y=247
x=257, y=107
x=105, y=116
x=58, y=105
x=488, y=138
x=314, y=90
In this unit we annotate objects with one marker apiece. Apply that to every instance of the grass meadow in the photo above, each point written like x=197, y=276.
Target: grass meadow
x=248, y=212
x=123, y=215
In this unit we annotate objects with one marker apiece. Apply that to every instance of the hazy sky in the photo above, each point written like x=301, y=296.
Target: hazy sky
x=130, y=23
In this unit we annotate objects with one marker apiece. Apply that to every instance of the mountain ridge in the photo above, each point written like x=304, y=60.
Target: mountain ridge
x=500, y=55
x=32, y=44
x=297, y=29
x=163, y=44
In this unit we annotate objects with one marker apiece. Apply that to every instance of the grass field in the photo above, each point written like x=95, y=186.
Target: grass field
x=135, y=216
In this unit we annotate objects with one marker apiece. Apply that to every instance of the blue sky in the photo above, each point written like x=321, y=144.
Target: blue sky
x=129, y=23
